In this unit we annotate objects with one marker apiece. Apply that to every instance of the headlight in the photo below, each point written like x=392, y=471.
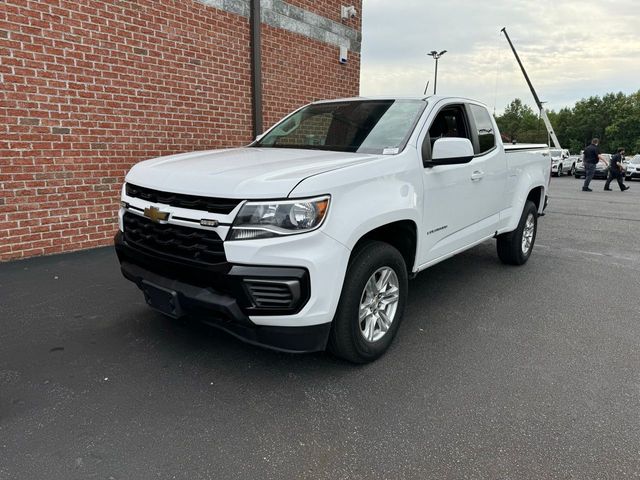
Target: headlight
x=279, y=218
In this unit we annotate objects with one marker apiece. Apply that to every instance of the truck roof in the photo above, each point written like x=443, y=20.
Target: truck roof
x=434, y=98
x=376, y=97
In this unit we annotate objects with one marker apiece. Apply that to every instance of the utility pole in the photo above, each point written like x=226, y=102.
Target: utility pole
x=543, y=113
x=436, y=56
x=256, y=66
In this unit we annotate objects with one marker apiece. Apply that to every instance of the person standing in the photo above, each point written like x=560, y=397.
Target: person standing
x=591, y=158
x=615, y=171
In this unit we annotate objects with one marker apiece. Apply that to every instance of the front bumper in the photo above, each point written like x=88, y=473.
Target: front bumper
x=222, y=296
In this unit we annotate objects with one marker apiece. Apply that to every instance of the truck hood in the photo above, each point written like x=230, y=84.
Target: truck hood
x=241, y=172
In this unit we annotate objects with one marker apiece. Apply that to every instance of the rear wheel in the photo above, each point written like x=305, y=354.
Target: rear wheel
x=514, y=248
x=371, y=304
x=573, y=169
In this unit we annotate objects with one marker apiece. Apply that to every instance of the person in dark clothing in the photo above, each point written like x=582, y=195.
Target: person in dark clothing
x=615, y=171
x=591, y=158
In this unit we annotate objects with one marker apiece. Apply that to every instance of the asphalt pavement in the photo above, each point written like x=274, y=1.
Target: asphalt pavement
x=497, y=372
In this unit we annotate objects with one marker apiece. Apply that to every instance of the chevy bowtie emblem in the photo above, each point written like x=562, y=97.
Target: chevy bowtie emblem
x=155, y=215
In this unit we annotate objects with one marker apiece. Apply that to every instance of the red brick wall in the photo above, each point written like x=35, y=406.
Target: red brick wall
x=309, y=72
x=331, y=9
x=91, y=87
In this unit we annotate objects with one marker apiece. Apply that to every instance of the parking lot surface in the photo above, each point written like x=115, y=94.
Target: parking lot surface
x=497, y=372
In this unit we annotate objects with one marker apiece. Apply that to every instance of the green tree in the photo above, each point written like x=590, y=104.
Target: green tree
x=518, y=122
x=624, y=129
x=614, y=118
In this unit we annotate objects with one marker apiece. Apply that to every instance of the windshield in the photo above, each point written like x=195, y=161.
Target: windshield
x=635, y=160
x=363, y=126
x=555, y=153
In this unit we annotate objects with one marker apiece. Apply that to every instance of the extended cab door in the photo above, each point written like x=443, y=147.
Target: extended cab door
x=461, y=202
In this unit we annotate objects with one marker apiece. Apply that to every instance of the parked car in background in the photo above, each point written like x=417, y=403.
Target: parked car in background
x=602, y=168
x=573, y=160
x=633, y=168
x=560, y=162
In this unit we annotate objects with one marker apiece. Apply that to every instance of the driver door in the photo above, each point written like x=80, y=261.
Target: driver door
x=458, y=210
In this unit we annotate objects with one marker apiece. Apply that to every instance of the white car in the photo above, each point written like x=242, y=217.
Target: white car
x=562, y=162
x=306, y=238
x=632, y=168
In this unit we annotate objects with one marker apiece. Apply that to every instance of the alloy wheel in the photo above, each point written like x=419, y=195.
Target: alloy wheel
x=527, y=234
x=378, y=304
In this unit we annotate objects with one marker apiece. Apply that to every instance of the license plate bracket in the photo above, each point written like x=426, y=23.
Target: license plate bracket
x=162, y=299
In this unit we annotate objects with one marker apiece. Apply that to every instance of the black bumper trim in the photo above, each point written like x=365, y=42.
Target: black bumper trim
x=307, y=339
x=191, y=297
x=225, y=278
x=221, y=309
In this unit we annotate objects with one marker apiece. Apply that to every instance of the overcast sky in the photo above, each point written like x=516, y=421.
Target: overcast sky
x=571, y=49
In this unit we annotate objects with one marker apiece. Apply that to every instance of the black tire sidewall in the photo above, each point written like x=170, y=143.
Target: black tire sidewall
x=529, y=208
x=365, y=262
x=510, y=244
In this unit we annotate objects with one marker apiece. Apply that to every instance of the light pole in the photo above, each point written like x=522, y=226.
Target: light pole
x=436, y=56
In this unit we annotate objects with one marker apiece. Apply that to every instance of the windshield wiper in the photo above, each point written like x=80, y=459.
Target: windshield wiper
x=334, y=148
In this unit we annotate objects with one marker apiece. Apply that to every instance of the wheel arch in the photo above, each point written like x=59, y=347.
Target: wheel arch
x=401, y=234
x=536, y=195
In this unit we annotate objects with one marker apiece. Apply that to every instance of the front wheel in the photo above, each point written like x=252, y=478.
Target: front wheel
x=514, y=248
x=371, y=303
x=560, y=167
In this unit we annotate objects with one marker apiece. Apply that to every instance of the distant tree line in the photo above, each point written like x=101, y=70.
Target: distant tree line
x=614, y=119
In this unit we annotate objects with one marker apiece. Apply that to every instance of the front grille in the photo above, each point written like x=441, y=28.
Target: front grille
x=194, y=244
x=273, y=293
x=209, y=204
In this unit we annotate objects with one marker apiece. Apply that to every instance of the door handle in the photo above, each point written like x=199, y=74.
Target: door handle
x=477, y=175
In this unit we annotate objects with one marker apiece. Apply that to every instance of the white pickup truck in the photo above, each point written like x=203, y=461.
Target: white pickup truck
x=306, y=238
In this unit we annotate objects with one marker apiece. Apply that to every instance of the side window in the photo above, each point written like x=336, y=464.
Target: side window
x=484, y=126
x=451, y=121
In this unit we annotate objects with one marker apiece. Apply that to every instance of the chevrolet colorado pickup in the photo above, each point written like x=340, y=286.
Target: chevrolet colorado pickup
x=306, y=238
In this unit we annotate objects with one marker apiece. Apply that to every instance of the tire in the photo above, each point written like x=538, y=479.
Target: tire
x=347, y=338
x=572, y=172
x=577, y=176
x=514, y=248
x=560, y=170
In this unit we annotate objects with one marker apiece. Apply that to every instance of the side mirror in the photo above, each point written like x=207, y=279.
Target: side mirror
x=259, y=137
x=451, y=151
